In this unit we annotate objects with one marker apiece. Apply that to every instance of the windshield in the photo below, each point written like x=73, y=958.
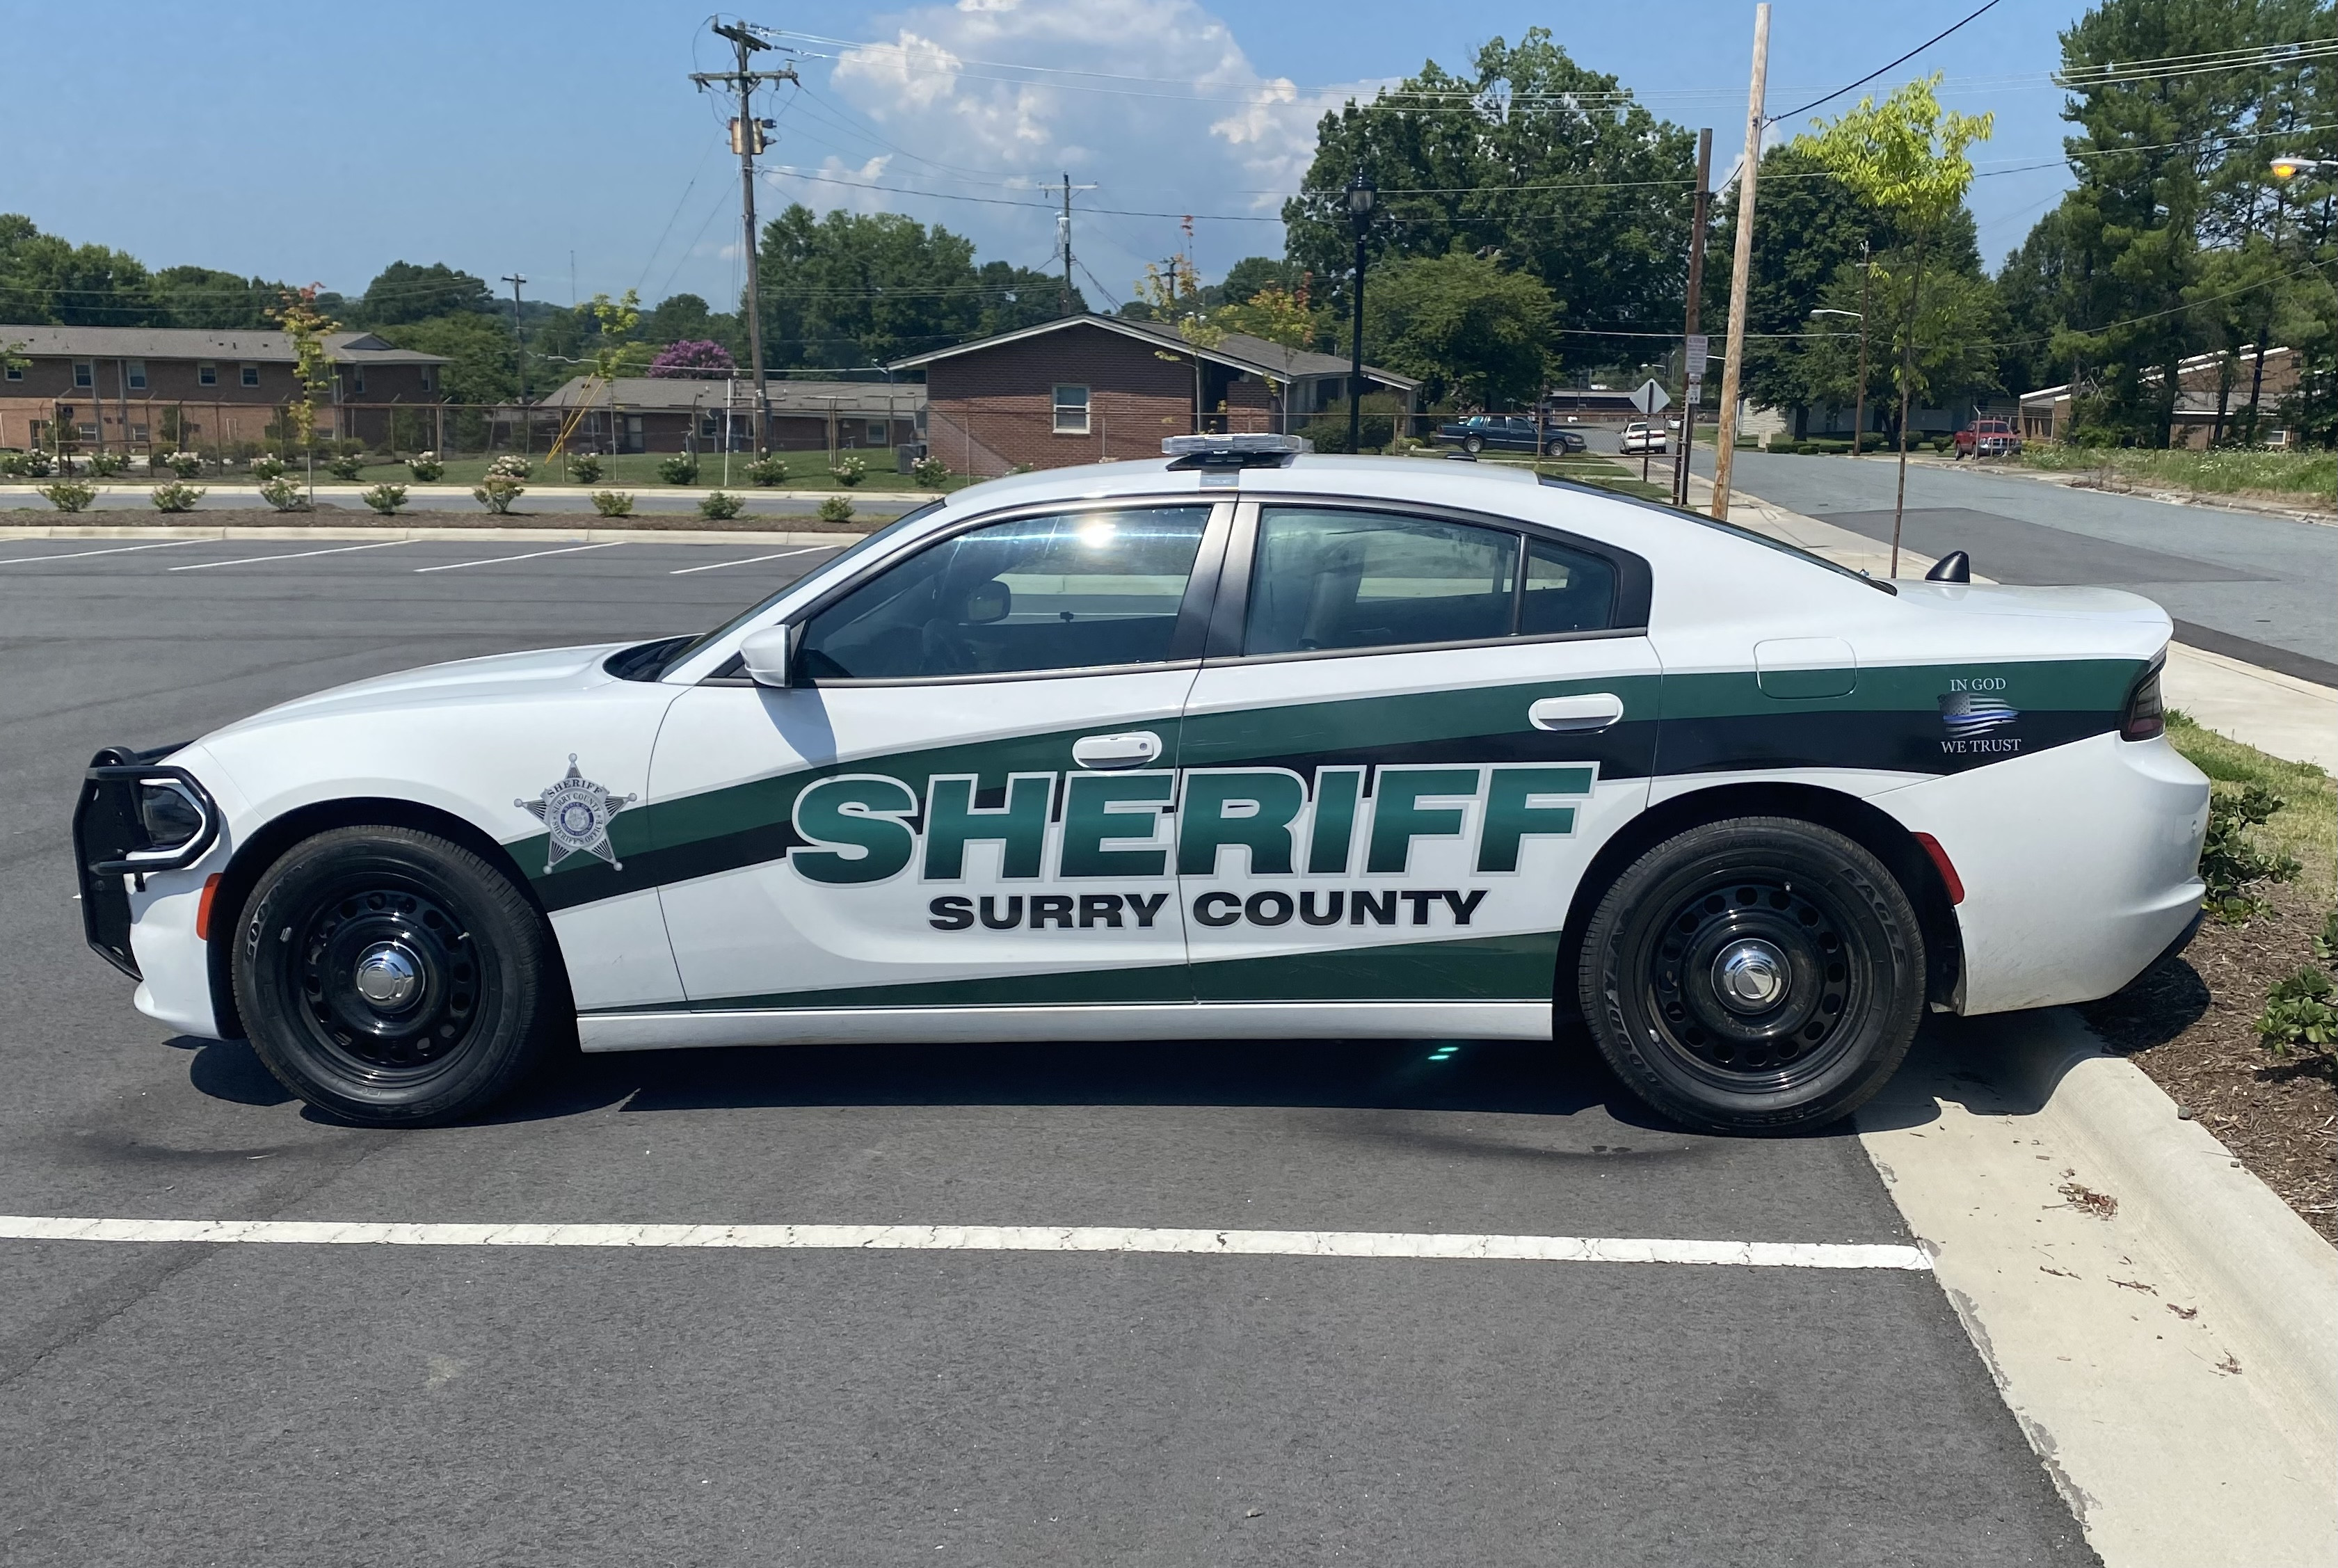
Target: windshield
x=857, y=549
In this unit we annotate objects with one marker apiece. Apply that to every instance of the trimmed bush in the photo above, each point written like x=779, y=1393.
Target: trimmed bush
x=69, y=495
x=185, y=464
x=284, y=494
x=32, y=464
x=585, y=469
x=384, y=499
x=682, y=469
x=425, y=466
x=345, y=465
x=496, y=492
x=106, y=464
x=836, y=509
x=613, y=503
x=510, y=465
x=930, y=473
x=265, y=467
x=175, y=497
x=851, y=471
x=771, y=468
x=719, y=505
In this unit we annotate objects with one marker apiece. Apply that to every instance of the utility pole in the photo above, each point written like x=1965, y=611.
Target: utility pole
x=1064, y=238
x=747, y=140
x=1692, y=366
x=1741, y=269
x=519, y=347
x=1866, y=281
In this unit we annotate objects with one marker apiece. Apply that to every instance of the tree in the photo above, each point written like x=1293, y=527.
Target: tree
x=680, y=318
x=1249, y=278
x=693, y=356
x=1465, y=325
x=312, y=368
x=44, y=278
x=1529, y=155
x=1273, y=313
x=1907, y=157
x=481, y=366
x=402, y=293
x=203, y=297
x=1960, y=318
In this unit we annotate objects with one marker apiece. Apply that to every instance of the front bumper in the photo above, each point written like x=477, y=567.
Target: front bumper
x=111, y=841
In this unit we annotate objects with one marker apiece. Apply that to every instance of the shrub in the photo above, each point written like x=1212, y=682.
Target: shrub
x=106, y=464
x=425, y=466
x=1024, y=468
x=836, y=509
x=285, y=494
x=719, y=505
x=69, y=495
x=585, y=469
x=771, y=468
x=2298, y=1015
x=384, y=499
x=32, y=464
x=850, y=470
x=344, y=466
x=265, y=467
x=496, y=492
x=613, y=503
x=176, y=496
x=1329, y=433
x=682, y=469
x=510, y=465
x=930, y=473
x=185, y=464
x=2231, y=862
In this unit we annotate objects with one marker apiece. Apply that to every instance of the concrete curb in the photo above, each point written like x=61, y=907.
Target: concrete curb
x=484, y=535
x=2277, y=1276
x=417, y=492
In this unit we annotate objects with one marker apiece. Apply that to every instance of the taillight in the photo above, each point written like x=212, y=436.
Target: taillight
x=2145, y=717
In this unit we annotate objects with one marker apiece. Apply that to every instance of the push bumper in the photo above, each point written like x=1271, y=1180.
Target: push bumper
x=112, y=839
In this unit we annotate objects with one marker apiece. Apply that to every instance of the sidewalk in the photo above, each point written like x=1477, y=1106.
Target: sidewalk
x=2274, y=712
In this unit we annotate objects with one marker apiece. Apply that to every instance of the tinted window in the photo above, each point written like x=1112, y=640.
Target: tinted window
x=1567, y=591
x=1056, y=593
x=1370, y=580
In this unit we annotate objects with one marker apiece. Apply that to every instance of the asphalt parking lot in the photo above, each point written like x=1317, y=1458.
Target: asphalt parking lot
x=181, y=1402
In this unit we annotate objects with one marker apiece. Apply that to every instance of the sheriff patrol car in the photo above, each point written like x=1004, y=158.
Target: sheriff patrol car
x=1246, y=742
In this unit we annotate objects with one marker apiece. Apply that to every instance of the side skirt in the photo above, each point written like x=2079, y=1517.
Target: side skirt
x=971, y=1025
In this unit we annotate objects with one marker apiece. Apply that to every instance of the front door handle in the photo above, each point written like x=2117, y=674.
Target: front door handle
x=1585, y=710
x=1132, y=749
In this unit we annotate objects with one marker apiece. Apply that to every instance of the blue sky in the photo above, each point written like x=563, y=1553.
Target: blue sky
x=563, y=140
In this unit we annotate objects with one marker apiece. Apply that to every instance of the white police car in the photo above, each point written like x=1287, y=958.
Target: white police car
x=1243, y=743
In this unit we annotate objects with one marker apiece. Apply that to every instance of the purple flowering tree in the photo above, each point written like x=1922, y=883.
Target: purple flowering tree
x=693, y=356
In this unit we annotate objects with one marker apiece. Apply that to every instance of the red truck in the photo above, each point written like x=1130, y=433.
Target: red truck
x=1988, y=438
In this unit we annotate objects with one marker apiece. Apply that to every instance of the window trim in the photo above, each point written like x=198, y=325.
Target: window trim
x=16, y=370
x=1634, y=582
x=207, y=373
x=247, y=375
x=85, y=375
x=1086, y=408
x=134, y=375
x=1186, y=640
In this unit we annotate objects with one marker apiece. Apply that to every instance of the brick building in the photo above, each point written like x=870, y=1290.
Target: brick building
x=140, y=388
x=1093, y=389
x=678, y=413
x=2212, y=399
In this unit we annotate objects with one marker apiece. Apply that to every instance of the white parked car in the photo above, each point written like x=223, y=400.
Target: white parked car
x=1640, y=435
x=1242, y=743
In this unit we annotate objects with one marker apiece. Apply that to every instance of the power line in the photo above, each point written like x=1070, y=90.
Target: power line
x=1871, y=76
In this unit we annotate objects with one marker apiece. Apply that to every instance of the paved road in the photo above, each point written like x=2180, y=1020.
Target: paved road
x=262, y=1405
x=2254, y=586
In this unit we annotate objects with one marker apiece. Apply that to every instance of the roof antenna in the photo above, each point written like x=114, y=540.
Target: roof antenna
x=1956, y=566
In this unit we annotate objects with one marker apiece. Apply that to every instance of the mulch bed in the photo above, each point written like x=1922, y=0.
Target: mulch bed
x=2190, y=1023
x=328, y=515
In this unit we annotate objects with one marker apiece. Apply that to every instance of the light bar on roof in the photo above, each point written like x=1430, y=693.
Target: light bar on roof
x=1231, y=447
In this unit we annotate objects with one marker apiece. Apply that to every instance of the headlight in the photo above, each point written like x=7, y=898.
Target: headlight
x=168, y=814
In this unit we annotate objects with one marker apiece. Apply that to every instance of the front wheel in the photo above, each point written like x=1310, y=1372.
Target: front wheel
x=1473, y=445
x=1758, y=975
x=393, y=978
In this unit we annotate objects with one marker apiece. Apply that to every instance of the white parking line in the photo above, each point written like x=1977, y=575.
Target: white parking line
x=750, y=561
x=289, y=556
x=117, y=550
x=499, y=560
x=1386, y=1244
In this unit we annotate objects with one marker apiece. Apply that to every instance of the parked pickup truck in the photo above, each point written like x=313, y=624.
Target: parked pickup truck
x=1988, y=438
x=1507, y=433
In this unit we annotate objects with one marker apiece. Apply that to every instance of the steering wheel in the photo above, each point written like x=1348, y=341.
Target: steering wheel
x=942, y=651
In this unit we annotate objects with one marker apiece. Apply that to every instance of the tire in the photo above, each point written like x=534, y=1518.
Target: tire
x=1473, y=445
x=1680, y=950
x=413, y=913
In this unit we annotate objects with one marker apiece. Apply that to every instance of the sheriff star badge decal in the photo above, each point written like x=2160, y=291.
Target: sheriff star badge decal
x=576, y=812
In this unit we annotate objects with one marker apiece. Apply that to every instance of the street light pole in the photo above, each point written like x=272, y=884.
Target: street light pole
x=1361, y=193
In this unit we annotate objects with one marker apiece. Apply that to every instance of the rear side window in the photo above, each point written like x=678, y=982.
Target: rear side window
x=1327, y=580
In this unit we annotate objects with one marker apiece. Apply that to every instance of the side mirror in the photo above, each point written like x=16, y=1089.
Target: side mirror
x=989, y=602
x=769, y=654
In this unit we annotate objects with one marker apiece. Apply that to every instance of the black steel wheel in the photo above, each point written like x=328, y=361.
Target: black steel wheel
x=390, y=977
x=1758, y=975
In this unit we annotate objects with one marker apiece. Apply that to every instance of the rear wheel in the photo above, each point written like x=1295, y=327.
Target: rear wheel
x=393, y=978
x=1758, y=975
x=1473, y=445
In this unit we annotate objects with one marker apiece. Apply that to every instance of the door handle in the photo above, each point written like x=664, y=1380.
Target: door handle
x=1132, y=749
x=1583, y=711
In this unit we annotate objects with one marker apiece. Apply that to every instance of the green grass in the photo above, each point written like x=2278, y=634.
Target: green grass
x=2307, y=828
x=2312, y=475
x=1586, y=468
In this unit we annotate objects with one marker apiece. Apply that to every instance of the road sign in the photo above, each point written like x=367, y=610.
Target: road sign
x=1696, y=356
x=1648, y=397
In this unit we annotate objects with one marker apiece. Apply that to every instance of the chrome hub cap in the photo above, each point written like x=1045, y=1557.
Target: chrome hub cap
x=1749, y=976
x=388, y=977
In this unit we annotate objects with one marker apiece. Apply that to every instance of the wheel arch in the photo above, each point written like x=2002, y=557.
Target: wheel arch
x=256, y=853
x=1874, y=830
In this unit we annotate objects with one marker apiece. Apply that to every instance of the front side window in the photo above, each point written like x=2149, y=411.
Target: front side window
x=1066, y=591
x=1071, y=410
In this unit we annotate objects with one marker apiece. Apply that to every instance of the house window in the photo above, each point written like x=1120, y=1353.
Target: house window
x=89, y=433
x=16, y=371
x=251, y=375
x=357, y=378
x=139, y=435
x=134, y=371
x=425, y=373
x=876, y=432
x=207, y=373
x=1071, y=410
x=84, y=373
